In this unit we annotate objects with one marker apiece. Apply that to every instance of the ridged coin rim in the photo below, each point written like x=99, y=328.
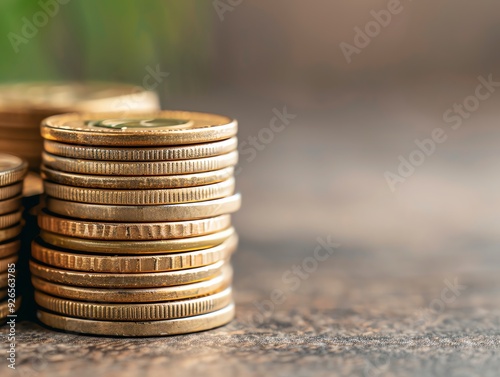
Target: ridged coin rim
x=141, y=280
x=140, y=329
x=153, y=197
x=135, y=312
x=137, y=295
x=168, y=212
x=64, y=128
x=9, y=248
x=186, y=152
x=137, y=182
x=132, y=231
x=11, y=191
x=15, y=173
x=133, y=263
x=178, y=245
x=124, y=168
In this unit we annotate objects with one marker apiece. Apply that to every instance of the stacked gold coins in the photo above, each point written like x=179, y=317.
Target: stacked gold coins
x=136, y=233
x=12, y=173
x=24, y=106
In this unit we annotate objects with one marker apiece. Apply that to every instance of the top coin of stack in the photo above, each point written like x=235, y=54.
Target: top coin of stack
x=12, y=172
x=136, y=233
x=23, y=106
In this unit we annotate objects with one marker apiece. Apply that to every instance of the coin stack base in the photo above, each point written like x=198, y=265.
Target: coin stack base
x=136, y=233
x=12, y=172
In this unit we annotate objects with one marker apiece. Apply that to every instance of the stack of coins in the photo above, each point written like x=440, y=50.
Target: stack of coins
x=24, y=106
x=12, y=173
x=136, y=233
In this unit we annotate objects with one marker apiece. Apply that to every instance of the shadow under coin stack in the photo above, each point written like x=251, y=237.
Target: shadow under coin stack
x=24, y=105
x=12, y=172
x=136, y=232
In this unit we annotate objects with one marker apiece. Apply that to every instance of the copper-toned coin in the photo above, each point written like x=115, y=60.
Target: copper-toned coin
x=142, y=280
x=10, y=205
x=10, y=219
x=148, y=328
x=12, y=169
x=8, y=192
x=132, y=231
x=186, y=152
x=132, y=248
x=140, y=197
x=146, y=129
x=130, y=295
x=6, y=309
x=10, y=233
x=137, y=182
x=4, y=277
x=135, y=312
x=132, y=264
x=124, y=168
x=9, y=248
x=6, y=262
x=170, y=212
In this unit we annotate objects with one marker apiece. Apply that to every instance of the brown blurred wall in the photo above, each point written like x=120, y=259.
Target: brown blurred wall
x=293, y=45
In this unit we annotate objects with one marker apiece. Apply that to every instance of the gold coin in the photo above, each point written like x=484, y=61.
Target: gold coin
x=132, y=231
x=9, y=248
x=5, y=310
x=5, y=262
x=137, y=182
x=135, y=312
x=147, y=129
x=10, y=219
x=9, y=233
x=12, y=169
x=132, y=264
x=141, y=280
x=124, y=168
x=4, y=278
x=129, y=295
x=148, y=328
x=186, y=152
x=11, y=191
x=141, y=247
x=140, y=197
x=10, y=205
x=170, y=212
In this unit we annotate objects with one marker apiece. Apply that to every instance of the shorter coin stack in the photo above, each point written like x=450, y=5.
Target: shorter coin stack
x=136, y=233
x=12, y=173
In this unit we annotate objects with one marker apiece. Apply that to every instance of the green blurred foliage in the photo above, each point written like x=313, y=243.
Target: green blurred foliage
x=108, y=40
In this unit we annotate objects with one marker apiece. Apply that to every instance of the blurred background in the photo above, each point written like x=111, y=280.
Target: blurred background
x=352, y=116
x=334, y=100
